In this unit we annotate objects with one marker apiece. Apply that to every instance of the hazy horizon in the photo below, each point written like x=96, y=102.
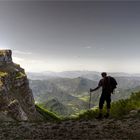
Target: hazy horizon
x=73, y=35
x=109, y=72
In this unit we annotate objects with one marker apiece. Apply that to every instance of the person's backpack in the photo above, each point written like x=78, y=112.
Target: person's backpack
x=113, y=83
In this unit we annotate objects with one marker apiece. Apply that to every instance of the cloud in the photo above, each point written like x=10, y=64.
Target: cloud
x=4, y=47
x=21, y=52
x=88, y=47
x=18, y=59
x=30, y=64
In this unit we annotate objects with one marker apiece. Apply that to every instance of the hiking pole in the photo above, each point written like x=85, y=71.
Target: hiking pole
x=89, y=99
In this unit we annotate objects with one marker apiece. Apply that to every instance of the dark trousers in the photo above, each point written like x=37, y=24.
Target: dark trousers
x=105, y=96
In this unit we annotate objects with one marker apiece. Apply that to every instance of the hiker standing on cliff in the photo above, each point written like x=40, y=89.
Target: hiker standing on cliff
x=108, y=85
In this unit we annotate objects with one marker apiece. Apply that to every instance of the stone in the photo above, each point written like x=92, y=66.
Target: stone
x=5, y=56
x=133, y=112
x=16, y=97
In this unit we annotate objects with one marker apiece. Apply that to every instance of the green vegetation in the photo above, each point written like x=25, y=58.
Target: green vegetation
x=123, y=107
x=84, y=98
x=118, y=110
x=47, y=114
x=20, y=75
x=87, y=114
x=3, y=74
x=44, y=91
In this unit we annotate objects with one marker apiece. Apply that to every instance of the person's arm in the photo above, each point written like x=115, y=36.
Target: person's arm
x=99, y=85
x=91, y=90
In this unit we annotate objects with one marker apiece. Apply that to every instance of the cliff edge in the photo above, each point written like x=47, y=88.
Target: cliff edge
x=16, y=98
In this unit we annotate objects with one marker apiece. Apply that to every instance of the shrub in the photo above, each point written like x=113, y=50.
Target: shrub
x=118, y=108
x=123, y=107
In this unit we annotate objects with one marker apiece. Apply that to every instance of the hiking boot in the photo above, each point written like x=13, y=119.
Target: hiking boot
x=107, y=115
x=99, y=116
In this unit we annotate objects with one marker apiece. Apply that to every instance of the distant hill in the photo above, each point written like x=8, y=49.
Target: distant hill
x=62, y=86
x=65, y=74
x=74, y=86
x=92, y=75
x=64, y=90
x=128, y=82
x=55, y=106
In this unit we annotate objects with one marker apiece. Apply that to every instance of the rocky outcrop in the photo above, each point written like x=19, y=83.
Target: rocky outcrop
x=5, y=56
x=16, y=98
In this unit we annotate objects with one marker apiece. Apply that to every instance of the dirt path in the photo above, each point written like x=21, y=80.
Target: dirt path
x=72, y=130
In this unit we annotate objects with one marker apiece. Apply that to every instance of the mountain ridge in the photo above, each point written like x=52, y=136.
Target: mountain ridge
x=74, y=74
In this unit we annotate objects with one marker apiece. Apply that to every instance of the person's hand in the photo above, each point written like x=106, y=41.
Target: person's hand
x=91, y=90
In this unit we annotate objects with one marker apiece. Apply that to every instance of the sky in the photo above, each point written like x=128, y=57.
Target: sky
x=72, y=35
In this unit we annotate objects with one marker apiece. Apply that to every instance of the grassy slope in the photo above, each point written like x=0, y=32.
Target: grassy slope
x=118, y=109
x=124, y=106
x=49, y=116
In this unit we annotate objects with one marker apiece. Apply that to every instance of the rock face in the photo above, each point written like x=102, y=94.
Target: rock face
x=16, y=98
x=5, y=56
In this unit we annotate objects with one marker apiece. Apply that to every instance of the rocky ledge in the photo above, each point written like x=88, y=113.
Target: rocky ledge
x=108, y=129
x=16, y=98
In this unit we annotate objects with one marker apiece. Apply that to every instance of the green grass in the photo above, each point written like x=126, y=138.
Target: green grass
x=87, y=114
x=123, y=107
x=48, y=116
x=118, y=109
x=84, y=98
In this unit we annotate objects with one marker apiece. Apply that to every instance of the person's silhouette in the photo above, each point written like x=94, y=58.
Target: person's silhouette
x=107, y=89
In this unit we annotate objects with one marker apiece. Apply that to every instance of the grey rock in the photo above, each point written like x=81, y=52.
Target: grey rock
x=16, y=98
